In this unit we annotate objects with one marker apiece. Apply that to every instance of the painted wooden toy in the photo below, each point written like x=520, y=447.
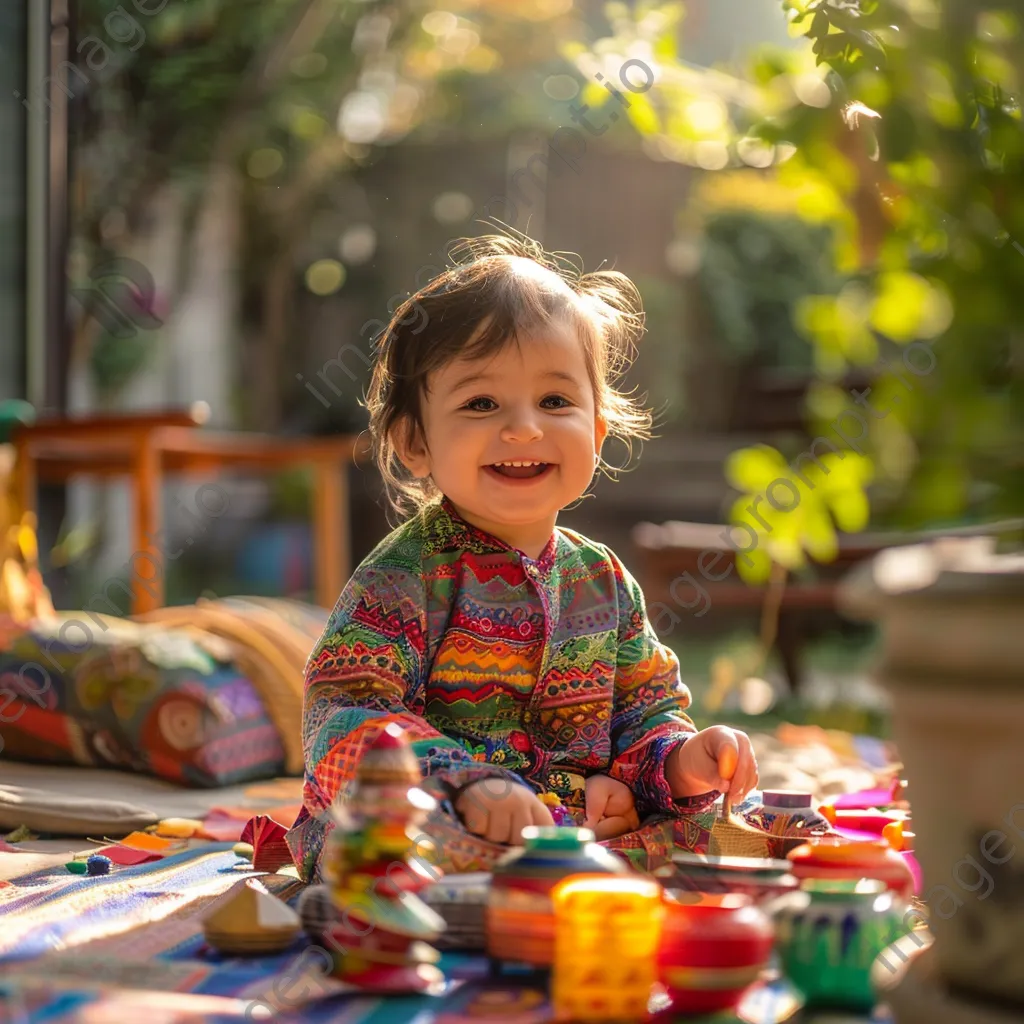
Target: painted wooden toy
x=758, y=878
x=520, y=917
x=380, y=939
x=833, y=857
x=794, y=809
x=607, y=932
x=713, y=948
x=830, y=932
x=249, y=921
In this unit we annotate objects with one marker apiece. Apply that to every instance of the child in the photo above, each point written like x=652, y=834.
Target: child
x=516, y=655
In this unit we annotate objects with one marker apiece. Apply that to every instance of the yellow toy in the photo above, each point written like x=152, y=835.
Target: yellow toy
x=607, y=931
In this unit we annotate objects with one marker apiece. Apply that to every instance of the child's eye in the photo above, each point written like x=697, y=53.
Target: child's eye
x=481, y=405
x=555, y=402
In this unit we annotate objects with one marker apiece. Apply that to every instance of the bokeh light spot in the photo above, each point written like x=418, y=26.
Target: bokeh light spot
x=265, y=162
x=325, y=277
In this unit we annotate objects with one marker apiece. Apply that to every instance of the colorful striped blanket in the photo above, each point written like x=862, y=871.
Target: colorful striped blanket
x=129, y=946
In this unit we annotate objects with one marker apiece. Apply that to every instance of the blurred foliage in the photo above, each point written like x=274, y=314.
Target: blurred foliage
x=794, y=508
x=114, y=360
x=690, y=114
x=755, y=269
x=899, y=128
x=919, y=153
x=294, y=97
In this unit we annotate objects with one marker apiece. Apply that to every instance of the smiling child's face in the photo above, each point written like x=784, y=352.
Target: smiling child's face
x=531, y=403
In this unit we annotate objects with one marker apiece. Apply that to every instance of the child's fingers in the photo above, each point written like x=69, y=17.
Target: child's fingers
x=521, y=818
x=475, y=817
x=540, y=814
x=727, y=755
x=499, y=826
x=745, y=777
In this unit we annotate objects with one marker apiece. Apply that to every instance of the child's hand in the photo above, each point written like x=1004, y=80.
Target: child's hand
x=499, y=810
x=610, y=808
x=715, y=758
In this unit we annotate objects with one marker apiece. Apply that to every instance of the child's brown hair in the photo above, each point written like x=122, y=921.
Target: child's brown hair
x=475, y=308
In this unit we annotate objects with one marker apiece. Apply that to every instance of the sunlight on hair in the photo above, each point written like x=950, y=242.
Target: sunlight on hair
x=524, y=266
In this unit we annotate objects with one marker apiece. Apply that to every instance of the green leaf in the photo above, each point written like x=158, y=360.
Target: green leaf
x=753, y=469
x=754, y=567
x=850, y=509
x=819, y=536
x=643, y=116
x=901, y=304
x=665, y=49
x=594, y=95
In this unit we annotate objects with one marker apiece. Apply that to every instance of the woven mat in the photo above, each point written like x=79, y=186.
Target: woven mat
x=130, y=947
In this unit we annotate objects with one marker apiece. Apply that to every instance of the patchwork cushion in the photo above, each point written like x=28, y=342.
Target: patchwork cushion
x=88, y=689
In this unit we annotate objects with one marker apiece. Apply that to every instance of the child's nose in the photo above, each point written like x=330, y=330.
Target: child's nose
x=521, y=426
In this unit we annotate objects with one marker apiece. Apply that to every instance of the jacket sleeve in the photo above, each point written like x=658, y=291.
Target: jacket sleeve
x=368, y=670
x=649, y=706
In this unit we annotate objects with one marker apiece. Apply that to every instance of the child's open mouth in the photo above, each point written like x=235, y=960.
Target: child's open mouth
x=519, y=470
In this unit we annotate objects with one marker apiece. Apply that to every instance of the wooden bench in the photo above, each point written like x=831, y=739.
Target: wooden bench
x=674, y=558
x=146, y=448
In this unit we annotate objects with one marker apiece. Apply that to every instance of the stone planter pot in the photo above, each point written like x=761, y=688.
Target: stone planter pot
x=952, y=620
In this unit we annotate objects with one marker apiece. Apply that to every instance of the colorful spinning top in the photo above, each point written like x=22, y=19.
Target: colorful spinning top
x=381, y=938
x=832, y=858
x=713, y=948
x=520, y=916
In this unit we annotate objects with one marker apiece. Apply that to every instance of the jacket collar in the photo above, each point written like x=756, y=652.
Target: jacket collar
x=455, y=533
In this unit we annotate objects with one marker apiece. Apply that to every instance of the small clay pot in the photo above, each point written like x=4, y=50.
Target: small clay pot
x=830, y=932
x=833, y=858
x=713, y=948
x=520, y=918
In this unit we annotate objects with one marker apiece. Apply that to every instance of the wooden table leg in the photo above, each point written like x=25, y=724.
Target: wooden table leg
x=331, y=536
x=145, y=564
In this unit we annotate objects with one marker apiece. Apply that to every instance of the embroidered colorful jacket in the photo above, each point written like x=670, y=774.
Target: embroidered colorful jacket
x=541, y=671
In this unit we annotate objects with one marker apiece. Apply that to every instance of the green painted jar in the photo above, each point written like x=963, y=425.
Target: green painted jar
x=829, y=933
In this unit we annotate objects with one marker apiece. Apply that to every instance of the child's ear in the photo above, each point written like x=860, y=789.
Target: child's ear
x=411, y=448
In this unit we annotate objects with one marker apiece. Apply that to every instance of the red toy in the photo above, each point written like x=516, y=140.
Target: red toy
x=713, y=948
x=266, y=837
